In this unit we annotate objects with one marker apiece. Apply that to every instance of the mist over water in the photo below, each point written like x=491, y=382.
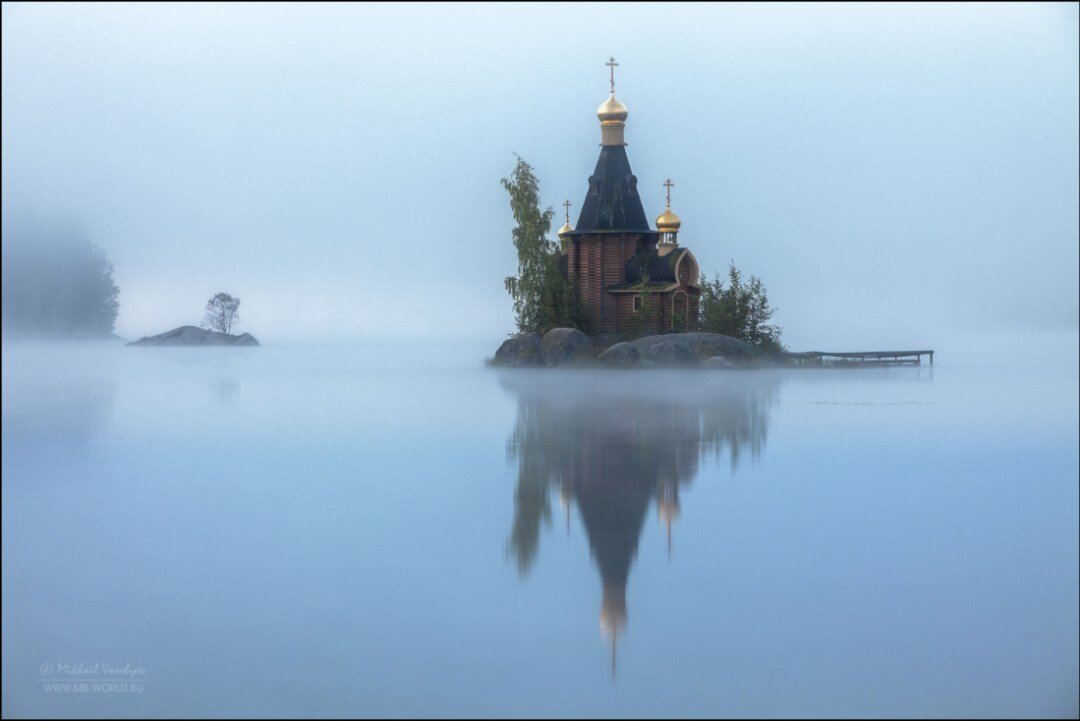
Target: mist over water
x=356, y=531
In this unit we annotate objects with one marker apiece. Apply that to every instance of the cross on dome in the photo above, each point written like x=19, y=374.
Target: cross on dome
x=612, y=64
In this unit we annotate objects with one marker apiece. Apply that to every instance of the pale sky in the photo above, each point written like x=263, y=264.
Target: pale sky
x=893, y=173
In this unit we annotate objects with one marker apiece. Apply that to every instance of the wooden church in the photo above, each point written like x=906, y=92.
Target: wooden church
x=630, y=277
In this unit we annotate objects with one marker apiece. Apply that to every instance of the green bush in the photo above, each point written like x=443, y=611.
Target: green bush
x=740, y=310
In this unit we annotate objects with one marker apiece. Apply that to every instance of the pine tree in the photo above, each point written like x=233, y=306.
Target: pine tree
x=740, y=310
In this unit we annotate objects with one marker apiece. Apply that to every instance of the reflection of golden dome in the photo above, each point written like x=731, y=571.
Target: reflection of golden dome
x=668, y=222
x=668, y=509
x=565, y=229
x=612, y=112
x=613, y=611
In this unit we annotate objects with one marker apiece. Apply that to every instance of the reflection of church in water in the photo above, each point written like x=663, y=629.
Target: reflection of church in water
x=613, y=449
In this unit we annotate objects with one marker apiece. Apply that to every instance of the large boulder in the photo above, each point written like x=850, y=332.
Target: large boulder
x=671, y=352
x=717, y=361
x=563, y=346
x=520, y=351
x=699, y=346
x=620, y=355
x=191, y=335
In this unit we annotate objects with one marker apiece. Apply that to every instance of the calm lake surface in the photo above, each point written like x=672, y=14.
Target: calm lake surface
x=342, y=531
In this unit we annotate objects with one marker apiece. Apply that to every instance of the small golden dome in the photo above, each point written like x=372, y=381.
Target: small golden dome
x=565, y=229
x=612, y=111
x=668, y=222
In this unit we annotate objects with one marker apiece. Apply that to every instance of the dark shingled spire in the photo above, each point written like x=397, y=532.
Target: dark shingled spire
x=612, y=204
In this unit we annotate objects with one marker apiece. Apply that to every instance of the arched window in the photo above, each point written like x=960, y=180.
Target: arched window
x=680, y=311
x=686, y=270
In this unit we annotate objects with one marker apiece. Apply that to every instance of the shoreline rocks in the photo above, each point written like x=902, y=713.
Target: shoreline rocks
x=669, y=352
x=717, y=361
x=566, y=346
x=520, y=351
x=620, y=355
x=571, y=347
x=701, y=346
x=189, y=335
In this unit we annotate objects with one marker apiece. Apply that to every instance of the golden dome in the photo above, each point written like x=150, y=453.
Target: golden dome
x=668, y=222
x=612, y=111
x=566, y=226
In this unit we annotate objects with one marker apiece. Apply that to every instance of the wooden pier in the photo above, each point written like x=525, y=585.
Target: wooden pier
x=859, y=358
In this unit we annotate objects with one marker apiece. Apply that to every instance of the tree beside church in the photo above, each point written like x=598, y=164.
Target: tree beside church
x=544, y=298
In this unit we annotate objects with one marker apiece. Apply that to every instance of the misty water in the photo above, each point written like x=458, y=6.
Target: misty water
x=357, y=531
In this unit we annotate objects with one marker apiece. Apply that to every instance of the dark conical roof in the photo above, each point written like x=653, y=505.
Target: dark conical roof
x=612, y=204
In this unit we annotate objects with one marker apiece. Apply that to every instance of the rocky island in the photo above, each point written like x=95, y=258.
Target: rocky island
x=189, y=335
x=572, y=347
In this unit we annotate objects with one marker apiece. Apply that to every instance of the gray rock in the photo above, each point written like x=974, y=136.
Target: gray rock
x=563, y=346
x=191, y=335
x=520, y=351
x=670, y=353
x=701, y=346
x=717, y=361
x=620, y=355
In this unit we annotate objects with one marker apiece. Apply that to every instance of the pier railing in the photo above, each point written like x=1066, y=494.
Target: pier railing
x=876, y=357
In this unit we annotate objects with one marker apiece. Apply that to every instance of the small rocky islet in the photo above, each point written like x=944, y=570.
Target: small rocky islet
x=572, y=347
x=190, y=335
